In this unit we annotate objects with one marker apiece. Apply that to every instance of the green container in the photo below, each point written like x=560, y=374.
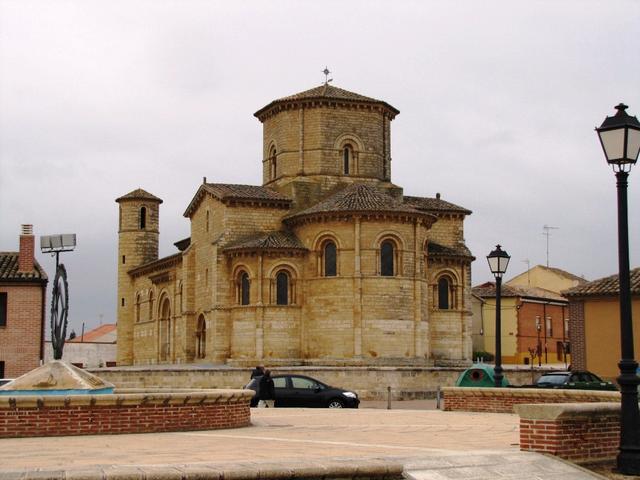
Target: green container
x=479, y=375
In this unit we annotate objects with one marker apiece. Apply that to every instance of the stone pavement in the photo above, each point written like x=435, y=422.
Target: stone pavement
x=302, y=443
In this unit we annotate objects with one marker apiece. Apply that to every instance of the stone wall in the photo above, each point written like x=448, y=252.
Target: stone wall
x=368, y=382
x=577, y=432
x=89, y=354
x=122, y=412
x=503, y=400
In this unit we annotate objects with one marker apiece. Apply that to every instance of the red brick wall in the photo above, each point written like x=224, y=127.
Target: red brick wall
x=528, y=335
x=109, y=419
x=20, y=339
x=25, y=258
x=576, y=332
x=502, y=400
x=593, y=437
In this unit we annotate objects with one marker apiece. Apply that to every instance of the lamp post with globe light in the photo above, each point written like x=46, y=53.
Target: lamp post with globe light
x=498, y=261
x=620, y=139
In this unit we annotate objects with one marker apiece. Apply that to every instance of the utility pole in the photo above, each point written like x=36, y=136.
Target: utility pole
x=547, y=234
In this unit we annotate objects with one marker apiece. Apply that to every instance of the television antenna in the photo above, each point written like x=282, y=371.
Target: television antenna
x=547, y=233
x=528, y=262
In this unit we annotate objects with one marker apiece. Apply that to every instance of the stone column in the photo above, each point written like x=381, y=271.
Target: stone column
x=301, y=122
x=357, y=292
x=260, y=311
x=417, y=294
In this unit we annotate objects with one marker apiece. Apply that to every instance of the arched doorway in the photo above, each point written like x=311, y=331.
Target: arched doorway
x=165, y=331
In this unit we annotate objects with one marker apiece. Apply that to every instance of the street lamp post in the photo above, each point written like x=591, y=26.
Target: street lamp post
x=539, y=345
x=498, y=261
x=620, y=139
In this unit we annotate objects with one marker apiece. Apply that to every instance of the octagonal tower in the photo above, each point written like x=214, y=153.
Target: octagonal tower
x=318, y=139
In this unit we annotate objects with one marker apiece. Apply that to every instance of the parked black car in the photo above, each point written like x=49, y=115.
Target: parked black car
x=573, y=380
x=303, y=391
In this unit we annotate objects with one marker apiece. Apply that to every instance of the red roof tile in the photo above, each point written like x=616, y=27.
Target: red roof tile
x=97, y=334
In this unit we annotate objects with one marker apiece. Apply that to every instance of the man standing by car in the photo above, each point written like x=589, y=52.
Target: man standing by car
x=258, y=371
x=266, y=391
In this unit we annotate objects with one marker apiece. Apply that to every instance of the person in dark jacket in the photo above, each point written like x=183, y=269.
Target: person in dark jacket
x=266, y=391
x=258, y=371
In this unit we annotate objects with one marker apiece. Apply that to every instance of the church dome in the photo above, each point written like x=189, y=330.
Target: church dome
x=324, y=95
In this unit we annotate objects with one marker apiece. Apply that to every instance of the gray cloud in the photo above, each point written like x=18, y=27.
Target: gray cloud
x=498, y=104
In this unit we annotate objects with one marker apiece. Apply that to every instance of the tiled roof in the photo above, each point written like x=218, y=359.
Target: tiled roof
x=328, y=91
x=243, y=193
x=9, y=270
x=183, y=244
x=488, y=290
x=104, y=333
x=228, y=191
x=605, y=286
x=267, y=241
x=139, y=194
x=435, y=205
x=154, y=265
x=563, y=273
x=325, y=93
x=460, y=250
x=358, y=197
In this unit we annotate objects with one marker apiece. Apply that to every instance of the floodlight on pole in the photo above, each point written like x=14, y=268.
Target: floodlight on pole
x=55, y=245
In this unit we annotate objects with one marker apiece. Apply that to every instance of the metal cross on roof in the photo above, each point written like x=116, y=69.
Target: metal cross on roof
x=326, y=72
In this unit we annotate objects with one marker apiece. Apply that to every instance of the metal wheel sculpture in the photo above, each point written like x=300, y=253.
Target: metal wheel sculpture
x=59, y=311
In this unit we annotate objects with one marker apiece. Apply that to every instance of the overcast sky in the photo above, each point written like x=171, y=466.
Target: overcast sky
x=498, y=103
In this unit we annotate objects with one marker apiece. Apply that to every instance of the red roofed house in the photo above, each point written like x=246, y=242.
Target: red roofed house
x=23, y=286
x=95, y=348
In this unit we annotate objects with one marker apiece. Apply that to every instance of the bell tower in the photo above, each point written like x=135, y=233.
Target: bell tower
x=138, y=233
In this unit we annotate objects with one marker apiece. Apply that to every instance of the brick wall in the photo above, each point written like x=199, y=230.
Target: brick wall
x=31, y=416
x=503, y=400
x=575, y=432
x=21, y=337
x=576, y=335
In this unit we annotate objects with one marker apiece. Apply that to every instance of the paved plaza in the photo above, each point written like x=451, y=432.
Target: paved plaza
x=307, y=443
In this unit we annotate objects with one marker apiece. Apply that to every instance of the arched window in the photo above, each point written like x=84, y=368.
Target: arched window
x=387, y=258
x=244, y=289
x=137, y=308
x=151, y=305
x=444, y=289
x=201, y=338
x=282, y=288
x=347, y=157
x=273, y=170
x=143, y=218
x=329, y=259
x=207, y=225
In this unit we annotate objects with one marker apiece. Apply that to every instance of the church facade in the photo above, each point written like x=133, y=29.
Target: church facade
x=328, y=262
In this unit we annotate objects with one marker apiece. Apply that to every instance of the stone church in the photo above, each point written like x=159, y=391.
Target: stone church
x=326, y=263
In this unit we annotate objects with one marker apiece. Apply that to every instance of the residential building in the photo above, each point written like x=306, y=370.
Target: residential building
x=23, y=286
x=594, y=312
x=93, y=349
x=550, y=278
x=534, y=321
